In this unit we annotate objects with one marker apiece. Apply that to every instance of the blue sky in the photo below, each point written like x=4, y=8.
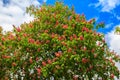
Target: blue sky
x=13, y=12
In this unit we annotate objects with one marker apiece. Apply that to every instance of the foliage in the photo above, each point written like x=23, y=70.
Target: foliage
x=59, y=44
x=117, y=30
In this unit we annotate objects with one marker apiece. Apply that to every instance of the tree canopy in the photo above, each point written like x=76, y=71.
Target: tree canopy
x=58, y=44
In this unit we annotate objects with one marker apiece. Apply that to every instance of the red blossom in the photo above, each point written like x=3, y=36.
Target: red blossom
x=47, y=41
x=38, y=71
x=31, y=40
x=19, y=38
x=95, y=55
x=65, y=26
x=44, y=63
x=112, y=76
x=74, y=36
x=57, y=23
x=60, y=38
x=74, y=53
x=57, y=54
x=93, y=50
x=37, y=42
x=75, y=77
x=18, y=29
x=38, y=50
x=25, y=35
x=37, y=58
x=31, y=25
x=53, y=35
x=69, y=50
x=84, y=60
x=70, y=17
x=71, y=38
x=63, y=43
x=81, y=38
x=85, y=29
x=14, y=64
x=46, y=31
x=30, y=60
x=6, y=57
x=3, y=39
x=84, y=48
x=49, y=61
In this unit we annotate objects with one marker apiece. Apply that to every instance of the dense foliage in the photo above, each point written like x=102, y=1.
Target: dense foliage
x=57, y=45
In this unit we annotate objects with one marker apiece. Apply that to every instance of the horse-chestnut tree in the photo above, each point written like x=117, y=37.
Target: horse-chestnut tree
x=57, y=45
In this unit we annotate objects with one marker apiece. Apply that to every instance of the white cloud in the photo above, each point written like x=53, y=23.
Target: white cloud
x=107, y=5
x=113, y=41
x=14, y=13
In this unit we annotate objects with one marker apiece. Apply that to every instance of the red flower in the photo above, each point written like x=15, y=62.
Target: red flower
x=18, y=29
x=63, y=43
x=11, y=37
x=75, y=77
x=70, y=50
x=57, y=54
x=74, y=53
x=65, y=26
x=38, y=50
x=70, y=17
x=37, y=58
x=53, y=35
x=25, y=35
x=85, y=29
x=19, y=38
x=37, y=42
x=90, y=67
x=84, y=60
x=54, y=59
x=46, y=31
x=6, y=57
x=71, y=38
x=31, y=40
x=84, y=48
x=57, y=23
x=74, y=35
x=49, y=61
x=111, y=60
x=47, y=41
x=81, y=37
x=3, y=39
x=95, y=55
x=14, y=64
x=38, y=71
x=90, y=21
x=31, y=26
x=30, y=60
x=103, y=40
x=93, y=50
x=112, y=76
x=44, y=63
x=60, y=38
